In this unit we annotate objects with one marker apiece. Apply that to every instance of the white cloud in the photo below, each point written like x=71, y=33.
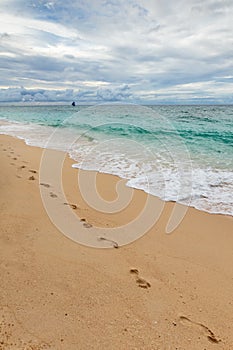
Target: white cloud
x=156, y=48
x=13, y=24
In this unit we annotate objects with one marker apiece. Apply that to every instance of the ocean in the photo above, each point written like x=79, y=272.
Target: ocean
x=177, y=153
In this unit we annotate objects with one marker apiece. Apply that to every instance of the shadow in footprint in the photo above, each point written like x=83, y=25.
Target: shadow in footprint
x=114, y=243
x=45, y=185
x=73, y=206
x=142, y=283
x=210, y=335
x=85, y=223
x=53, y=195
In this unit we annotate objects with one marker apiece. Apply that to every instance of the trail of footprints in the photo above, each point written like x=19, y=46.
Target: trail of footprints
x=86, y=224
x=32, y=177
x=22, y=168
x=141, y=282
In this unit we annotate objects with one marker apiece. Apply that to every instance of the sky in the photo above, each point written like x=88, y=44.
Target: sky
x=136, y=51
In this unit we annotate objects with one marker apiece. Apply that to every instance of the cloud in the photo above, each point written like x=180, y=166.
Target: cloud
x=156, y=49
x=92, y=95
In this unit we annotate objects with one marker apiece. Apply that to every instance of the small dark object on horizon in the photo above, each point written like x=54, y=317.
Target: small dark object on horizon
x=73, y=103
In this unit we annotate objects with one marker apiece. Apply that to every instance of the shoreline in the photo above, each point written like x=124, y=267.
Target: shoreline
x=118, y=177
x=158, y=292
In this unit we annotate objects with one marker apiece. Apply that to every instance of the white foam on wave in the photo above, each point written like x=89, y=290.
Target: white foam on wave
x=38, y=135
x=211, y=191
x=208, y=189
x=34, y=135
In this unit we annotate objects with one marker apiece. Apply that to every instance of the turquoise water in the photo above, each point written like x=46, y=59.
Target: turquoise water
x=179, y=153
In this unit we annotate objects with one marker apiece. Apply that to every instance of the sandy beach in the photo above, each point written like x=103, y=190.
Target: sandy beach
x=159, y=292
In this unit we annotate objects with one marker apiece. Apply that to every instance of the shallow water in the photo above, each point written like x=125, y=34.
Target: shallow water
x=179, y=153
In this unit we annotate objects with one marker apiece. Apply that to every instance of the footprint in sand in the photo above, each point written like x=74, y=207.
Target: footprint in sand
x=31, y=178
x=53, y=195
x=22, y=167
x=33, y=171
x=45, y=185
x=14, y=158
x=142, y=283
x=85, y=223
x=73, y=206
x=209, y=334
x=114, y=243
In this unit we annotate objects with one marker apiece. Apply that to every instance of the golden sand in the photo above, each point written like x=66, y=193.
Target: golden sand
x=158, y=292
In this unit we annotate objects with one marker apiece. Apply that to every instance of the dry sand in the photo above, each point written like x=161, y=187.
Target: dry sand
x=159, y=292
